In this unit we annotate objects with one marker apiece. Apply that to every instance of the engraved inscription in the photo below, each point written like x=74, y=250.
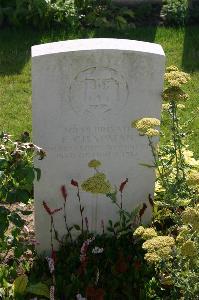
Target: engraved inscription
x=97, y=141
x=98, y=90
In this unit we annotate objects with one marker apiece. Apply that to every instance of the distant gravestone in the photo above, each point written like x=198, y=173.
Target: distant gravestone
x=85, y=95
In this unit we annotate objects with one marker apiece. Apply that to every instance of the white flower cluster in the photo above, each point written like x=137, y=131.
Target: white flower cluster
x=52, y=292
x=50, y=264
x=79, y=297
x=97, y=250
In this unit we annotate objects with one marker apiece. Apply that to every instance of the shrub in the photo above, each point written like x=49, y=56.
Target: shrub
x=175, y=12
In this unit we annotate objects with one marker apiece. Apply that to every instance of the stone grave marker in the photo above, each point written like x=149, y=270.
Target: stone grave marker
x=85, y=95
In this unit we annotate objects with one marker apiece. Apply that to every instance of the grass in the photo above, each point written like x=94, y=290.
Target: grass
x=181, y=46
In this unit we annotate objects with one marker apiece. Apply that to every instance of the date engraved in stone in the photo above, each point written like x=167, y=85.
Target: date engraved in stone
x=98, y=90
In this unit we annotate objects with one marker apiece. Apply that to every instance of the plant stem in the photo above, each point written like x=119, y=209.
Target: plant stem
x=51, y=233
x=65, y=220
x=80, y=208
x=161, y=174
x=121, y=200
x=174, y=135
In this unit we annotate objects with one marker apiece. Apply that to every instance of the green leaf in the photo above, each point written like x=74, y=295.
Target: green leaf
x=22, y=196
x=3, y=163
x=25, y=212
x=4, y=212
x=121, y=21
x=77, y=227
x=39, y=289
x=20, y=285
x=30, y=175
x=16, y=219
x=127, y=12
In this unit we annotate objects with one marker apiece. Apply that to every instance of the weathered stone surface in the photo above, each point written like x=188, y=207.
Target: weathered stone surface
x=85, y=95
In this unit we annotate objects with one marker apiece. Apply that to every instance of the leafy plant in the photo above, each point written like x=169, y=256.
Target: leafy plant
x=17, y=174
x=175, y=12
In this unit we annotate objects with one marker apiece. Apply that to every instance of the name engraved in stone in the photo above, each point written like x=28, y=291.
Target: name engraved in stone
x=97, y=141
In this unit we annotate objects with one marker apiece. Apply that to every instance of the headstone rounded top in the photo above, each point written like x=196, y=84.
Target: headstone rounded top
x=96, y=44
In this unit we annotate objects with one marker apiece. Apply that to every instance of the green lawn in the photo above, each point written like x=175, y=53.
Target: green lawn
x=181, y=47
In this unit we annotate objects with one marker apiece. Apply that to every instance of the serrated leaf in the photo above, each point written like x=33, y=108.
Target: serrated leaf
x=20, y=285
x=39, y=289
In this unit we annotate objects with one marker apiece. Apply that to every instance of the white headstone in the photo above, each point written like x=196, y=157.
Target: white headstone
x=85, y=95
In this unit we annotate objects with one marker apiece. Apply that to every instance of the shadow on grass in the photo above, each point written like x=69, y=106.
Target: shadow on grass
x=15, y=48
x=190, y=58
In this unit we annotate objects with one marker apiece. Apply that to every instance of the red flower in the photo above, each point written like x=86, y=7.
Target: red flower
x=151, y=200
x=64, y=192
x=121, y=264
x=53, y=255
x=93, y=293
x=122, y=185
x=48, y=209
x=74, y=183
x=142, y=210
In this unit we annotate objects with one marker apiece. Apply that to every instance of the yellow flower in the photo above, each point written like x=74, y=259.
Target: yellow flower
x=193, y=178
x=152, y=132
x=145, y=126
x=139, y=231
x=166, y=106
x=151, y=258
x=149, y=233
x=165, y=252
x=94, y=163
x=158, y=242
x=166, y=280
x=97, y=184
x=191, y=216
x=180, y=106
x=176, y=78
x=174, y=93
x=157, y=255
x=158, y=187
x=189, y=249
x=172, y=68
x=189, y=159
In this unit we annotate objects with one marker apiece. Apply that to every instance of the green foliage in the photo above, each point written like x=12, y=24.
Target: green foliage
x=16, y=168
x=113, y=264
x=21, y=12
x=42, y=13
x=101, y=13
x=175, y=12
x=17, y=174
x=21, y=287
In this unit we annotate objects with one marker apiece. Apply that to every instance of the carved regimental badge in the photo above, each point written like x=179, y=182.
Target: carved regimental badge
x=98, y=90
